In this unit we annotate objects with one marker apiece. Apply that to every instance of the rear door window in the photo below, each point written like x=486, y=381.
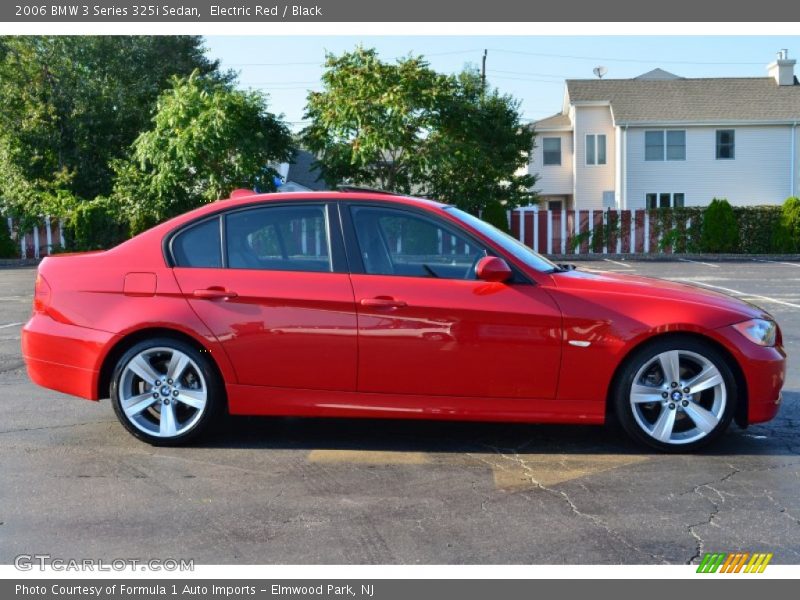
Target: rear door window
x=278, y=238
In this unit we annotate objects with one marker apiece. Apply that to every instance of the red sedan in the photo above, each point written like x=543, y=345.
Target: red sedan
x=351, y=304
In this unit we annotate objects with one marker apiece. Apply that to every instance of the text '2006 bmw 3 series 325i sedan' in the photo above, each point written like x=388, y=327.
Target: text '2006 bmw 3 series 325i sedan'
x=360, y=304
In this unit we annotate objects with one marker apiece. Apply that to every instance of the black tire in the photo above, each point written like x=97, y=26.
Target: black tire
x=633, y=420
x=197, y=425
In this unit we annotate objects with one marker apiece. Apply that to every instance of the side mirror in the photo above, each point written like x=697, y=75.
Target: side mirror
x=492, y=268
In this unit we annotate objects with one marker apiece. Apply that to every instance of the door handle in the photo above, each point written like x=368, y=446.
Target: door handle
x=383, y=302
x=214, y=293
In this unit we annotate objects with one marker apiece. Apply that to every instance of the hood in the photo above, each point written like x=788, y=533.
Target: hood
x=636, y=286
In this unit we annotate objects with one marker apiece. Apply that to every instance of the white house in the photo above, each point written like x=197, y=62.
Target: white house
x=663, y=140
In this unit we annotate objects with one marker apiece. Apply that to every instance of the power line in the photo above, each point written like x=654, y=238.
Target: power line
x=260, y=83
x=628, y=60
x=560, y=82
x=322, y=62
x=561, y=77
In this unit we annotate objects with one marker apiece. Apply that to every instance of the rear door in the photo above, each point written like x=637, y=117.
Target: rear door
x=270, y=281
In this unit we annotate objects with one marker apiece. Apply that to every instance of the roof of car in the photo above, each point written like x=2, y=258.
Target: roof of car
x=242, y=197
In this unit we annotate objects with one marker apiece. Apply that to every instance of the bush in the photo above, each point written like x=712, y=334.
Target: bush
x=494, y=213
x=8, y=249
x=759, y=229
x=720, y=229
x=97, y=225
x=788, y=237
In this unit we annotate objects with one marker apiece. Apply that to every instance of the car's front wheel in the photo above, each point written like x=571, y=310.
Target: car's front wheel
x=676, y=394
x=166, y=392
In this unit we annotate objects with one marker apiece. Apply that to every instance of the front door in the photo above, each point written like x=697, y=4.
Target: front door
x=428, y=326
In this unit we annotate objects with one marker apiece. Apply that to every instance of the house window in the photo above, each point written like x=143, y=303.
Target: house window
x=665, y=144
x=551, y=148
x=726, y=144
x=596, y=149
x=676, y=145
x=665, y=200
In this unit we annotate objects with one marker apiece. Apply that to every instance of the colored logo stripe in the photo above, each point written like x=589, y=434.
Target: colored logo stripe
x=734, y=563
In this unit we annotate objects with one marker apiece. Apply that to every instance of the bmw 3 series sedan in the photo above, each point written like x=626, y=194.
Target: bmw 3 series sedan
x=358, y=304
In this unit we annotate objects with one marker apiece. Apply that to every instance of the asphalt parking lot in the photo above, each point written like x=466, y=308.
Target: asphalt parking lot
x=74, y=484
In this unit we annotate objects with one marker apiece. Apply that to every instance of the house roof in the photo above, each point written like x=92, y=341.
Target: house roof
x=554, y=122
x=303, y=172
x=658, y=74
x=712, y=100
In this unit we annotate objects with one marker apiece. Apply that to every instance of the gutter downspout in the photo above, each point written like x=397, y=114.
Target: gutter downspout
x=794, y=158
x=625, y=167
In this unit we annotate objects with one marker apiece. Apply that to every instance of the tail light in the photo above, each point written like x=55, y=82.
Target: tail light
x=41, y=294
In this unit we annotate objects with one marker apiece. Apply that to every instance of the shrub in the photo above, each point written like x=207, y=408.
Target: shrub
x=720, y=229
x=97, y=225
x=494, y=213
x=8, y=249
x=758, y=229
x=788, y=235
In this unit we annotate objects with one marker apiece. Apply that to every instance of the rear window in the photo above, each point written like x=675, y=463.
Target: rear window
x=198, y=246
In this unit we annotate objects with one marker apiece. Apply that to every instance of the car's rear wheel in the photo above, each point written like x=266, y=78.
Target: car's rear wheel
x=166, y=392
x=676, y=394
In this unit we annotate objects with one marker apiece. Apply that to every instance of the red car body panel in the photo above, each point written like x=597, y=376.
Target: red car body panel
x=283, y=328
x=355, y=345
x=457, y=338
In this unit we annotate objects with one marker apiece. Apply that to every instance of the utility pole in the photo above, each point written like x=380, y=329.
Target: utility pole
x=483, y=70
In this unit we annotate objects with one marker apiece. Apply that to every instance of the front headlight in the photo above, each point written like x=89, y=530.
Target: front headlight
x=758, y=331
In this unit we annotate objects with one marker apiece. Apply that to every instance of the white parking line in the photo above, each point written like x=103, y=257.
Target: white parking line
x=739, y=293
x=778, y=262
x=10, y=325
x=697, y=262
x=621, y=264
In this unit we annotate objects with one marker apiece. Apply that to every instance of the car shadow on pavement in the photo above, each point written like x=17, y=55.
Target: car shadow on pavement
x=778, y=437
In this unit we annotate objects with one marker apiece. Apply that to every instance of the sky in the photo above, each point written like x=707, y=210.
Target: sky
x=532, y=69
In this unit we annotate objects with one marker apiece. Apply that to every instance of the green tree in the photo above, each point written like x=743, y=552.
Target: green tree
x=206, y=140
x=720, y=229
x=72, y=104
x=405, y=128
x=478, y=149
x=369, y=126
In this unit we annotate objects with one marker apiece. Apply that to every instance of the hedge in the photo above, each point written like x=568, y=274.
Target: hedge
x=8, y=249
x=717, y=228
x=97, y=225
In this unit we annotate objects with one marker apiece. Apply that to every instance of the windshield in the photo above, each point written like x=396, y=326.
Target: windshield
x=505, y=241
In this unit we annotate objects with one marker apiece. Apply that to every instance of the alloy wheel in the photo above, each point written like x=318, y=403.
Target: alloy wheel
x=678, y=397
x=162, y=392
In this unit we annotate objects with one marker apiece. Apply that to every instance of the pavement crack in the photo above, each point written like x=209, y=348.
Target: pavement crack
x=63, y=426
x=781, y=508
x=715, y=508
x=513, y=456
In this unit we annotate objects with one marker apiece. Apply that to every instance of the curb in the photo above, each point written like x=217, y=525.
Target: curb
x=18, y=263
x=677, y=257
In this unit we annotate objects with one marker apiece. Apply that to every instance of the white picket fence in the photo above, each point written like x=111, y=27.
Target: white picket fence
x=40, y=240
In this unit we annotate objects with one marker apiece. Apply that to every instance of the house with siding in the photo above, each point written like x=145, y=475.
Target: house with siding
x=661, y=140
